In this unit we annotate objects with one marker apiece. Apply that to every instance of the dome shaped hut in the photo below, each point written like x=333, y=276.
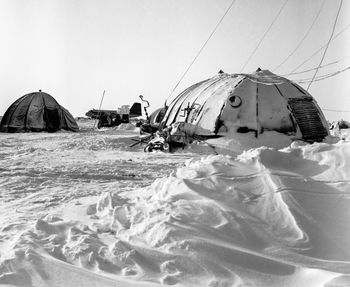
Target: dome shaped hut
x=36, y=112
x=240, y=103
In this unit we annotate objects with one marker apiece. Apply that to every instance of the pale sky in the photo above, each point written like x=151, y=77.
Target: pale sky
x=75, y=49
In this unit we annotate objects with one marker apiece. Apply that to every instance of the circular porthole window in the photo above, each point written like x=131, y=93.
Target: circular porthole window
x=235, y=101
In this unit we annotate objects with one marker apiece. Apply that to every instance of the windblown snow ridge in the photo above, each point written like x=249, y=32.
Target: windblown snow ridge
x=266, y=218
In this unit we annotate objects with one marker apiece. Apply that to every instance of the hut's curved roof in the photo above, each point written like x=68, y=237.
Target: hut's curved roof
x=258, y=101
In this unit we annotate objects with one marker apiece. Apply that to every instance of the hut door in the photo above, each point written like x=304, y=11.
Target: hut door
x=308, y=119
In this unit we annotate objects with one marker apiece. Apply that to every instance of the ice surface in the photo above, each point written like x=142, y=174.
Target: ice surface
x=85, y=209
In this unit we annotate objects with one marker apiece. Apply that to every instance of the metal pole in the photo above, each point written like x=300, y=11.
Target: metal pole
x=257, y=111
x=99, y=109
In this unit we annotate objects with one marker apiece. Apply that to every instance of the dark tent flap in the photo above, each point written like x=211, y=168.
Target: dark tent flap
x=69, y=120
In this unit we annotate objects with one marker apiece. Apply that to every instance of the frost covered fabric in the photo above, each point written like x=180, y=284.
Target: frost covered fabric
x=228, y=103
x=103, y=214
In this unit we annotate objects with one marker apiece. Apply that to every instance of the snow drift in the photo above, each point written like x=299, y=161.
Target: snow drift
x=267, y=217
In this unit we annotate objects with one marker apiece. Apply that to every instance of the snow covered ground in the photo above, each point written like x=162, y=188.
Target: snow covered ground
x=86, y=209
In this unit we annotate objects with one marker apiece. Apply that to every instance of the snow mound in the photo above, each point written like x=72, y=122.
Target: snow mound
x=268, y=217
x=343, y=134
x=128, y=126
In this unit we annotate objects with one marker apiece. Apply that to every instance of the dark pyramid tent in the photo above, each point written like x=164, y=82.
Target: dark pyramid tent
x=261, y=101
x=36, y=112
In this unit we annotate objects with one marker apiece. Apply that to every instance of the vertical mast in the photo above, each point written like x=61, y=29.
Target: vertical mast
x=99, y=109
x=257, y=110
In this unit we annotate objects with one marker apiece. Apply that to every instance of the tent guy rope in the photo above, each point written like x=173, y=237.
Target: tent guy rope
x=303, y=39
x=263, y=37
x=337, y=111
x=320, y=49
x=322, y=77
x=313, y=69
x=330, y=39
x=201, y=49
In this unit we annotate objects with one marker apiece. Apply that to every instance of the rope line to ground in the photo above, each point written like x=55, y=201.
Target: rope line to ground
x=263, y=37
x=201, y=49
x=322, y=77
x=330, y=39
x=337, y=111
x=303, y=39
x=313, y=69
x=320, y=49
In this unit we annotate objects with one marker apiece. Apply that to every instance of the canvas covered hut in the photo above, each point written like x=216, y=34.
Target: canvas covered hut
x=240, y=103
x=36, y=112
